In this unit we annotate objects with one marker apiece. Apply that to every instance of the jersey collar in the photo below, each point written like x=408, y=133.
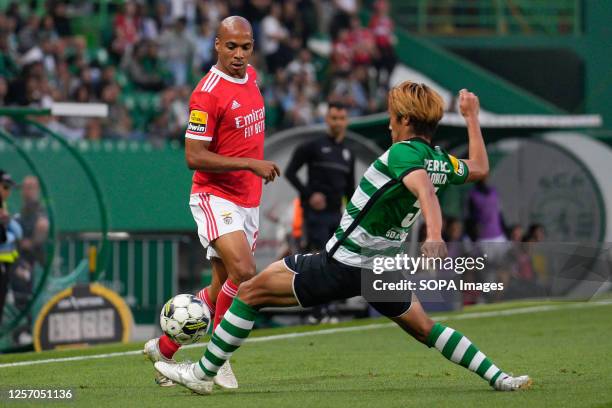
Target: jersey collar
x=230, y=78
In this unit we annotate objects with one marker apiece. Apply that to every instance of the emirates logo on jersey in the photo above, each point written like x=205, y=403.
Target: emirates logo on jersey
x=249, y=119
x=252, y=123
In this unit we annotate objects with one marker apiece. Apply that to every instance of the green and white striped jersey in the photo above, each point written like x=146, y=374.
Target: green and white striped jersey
x=378, y=217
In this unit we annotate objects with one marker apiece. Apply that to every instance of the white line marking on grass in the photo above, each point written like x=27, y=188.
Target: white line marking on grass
x=466, y=316
x=77, y=358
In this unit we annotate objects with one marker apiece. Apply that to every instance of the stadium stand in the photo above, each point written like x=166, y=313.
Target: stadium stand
x=142, y=59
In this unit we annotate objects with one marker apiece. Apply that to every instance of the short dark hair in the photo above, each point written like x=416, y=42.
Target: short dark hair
x=336, y=105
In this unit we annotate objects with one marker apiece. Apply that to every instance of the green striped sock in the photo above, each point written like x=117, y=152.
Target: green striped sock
x=459, y=349
x=235, y=327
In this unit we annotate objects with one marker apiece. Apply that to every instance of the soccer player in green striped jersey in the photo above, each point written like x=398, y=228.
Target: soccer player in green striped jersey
x=394, y=190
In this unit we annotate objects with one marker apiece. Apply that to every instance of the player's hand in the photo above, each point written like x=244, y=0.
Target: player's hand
x=469, y=105
x=317, y=201
x=265, y=169
x=434, y=248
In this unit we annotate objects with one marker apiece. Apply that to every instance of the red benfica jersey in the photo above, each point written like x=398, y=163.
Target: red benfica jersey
x=229, y=113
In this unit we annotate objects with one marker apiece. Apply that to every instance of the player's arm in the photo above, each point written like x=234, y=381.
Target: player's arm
x=420, y=185
x=478, y=161
x=198, y=157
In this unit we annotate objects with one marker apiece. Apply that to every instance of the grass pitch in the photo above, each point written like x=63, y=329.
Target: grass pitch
x=566, y=349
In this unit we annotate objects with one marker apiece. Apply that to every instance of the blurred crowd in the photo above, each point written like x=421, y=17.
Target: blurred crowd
x=142, y=58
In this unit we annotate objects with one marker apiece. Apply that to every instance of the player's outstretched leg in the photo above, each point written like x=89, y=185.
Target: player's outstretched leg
x=457, y=348
x=273, y=287
x=236, y=252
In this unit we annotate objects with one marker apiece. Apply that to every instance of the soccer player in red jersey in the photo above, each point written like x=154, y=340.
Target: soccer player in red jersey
x=224, y=144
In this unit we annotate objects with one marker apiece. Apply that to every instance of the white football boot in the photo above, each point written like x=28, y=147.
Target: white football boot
x=183, y=374
x=225, y=377
x=151, y=351
x=510, y=383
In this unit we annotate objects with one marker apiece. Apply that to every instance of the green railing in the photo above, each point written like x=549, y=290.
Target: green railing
x=489, y=17
x=143, y=269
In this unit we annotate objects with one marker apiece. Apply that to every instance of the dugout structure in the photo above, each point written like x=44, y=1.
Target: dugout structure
x=18, y=158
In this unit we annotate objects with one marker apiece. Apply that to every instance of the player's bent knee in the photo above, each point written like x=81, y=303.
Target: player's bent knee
x=260, y=289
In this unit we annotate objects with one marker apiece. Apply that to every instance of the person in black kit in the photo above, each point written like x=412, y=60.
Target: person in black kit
x=331, y=177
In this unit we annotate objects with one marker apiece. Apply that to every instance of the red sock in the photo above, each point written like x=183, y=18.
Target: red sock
x=167, y=346
x=224, y=300
x=205, y=297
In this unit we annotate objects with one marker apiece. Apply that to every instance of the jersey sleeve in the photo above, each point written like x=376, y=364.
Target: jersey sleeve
x=403, y=159
x=202, y=117
x=459, y=172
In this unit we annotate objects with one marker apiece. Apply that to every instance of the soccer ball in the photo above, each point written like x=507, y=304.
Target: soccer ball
x=185, y=319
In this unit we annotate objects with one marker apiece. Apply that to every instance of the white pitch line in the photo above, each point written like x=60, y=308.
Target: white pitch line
x=473, y=315
x=77, y=358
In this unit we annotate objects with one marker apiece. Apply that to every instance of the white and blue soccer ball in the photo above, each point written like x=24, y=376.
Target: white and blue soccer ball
x=185, y=319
